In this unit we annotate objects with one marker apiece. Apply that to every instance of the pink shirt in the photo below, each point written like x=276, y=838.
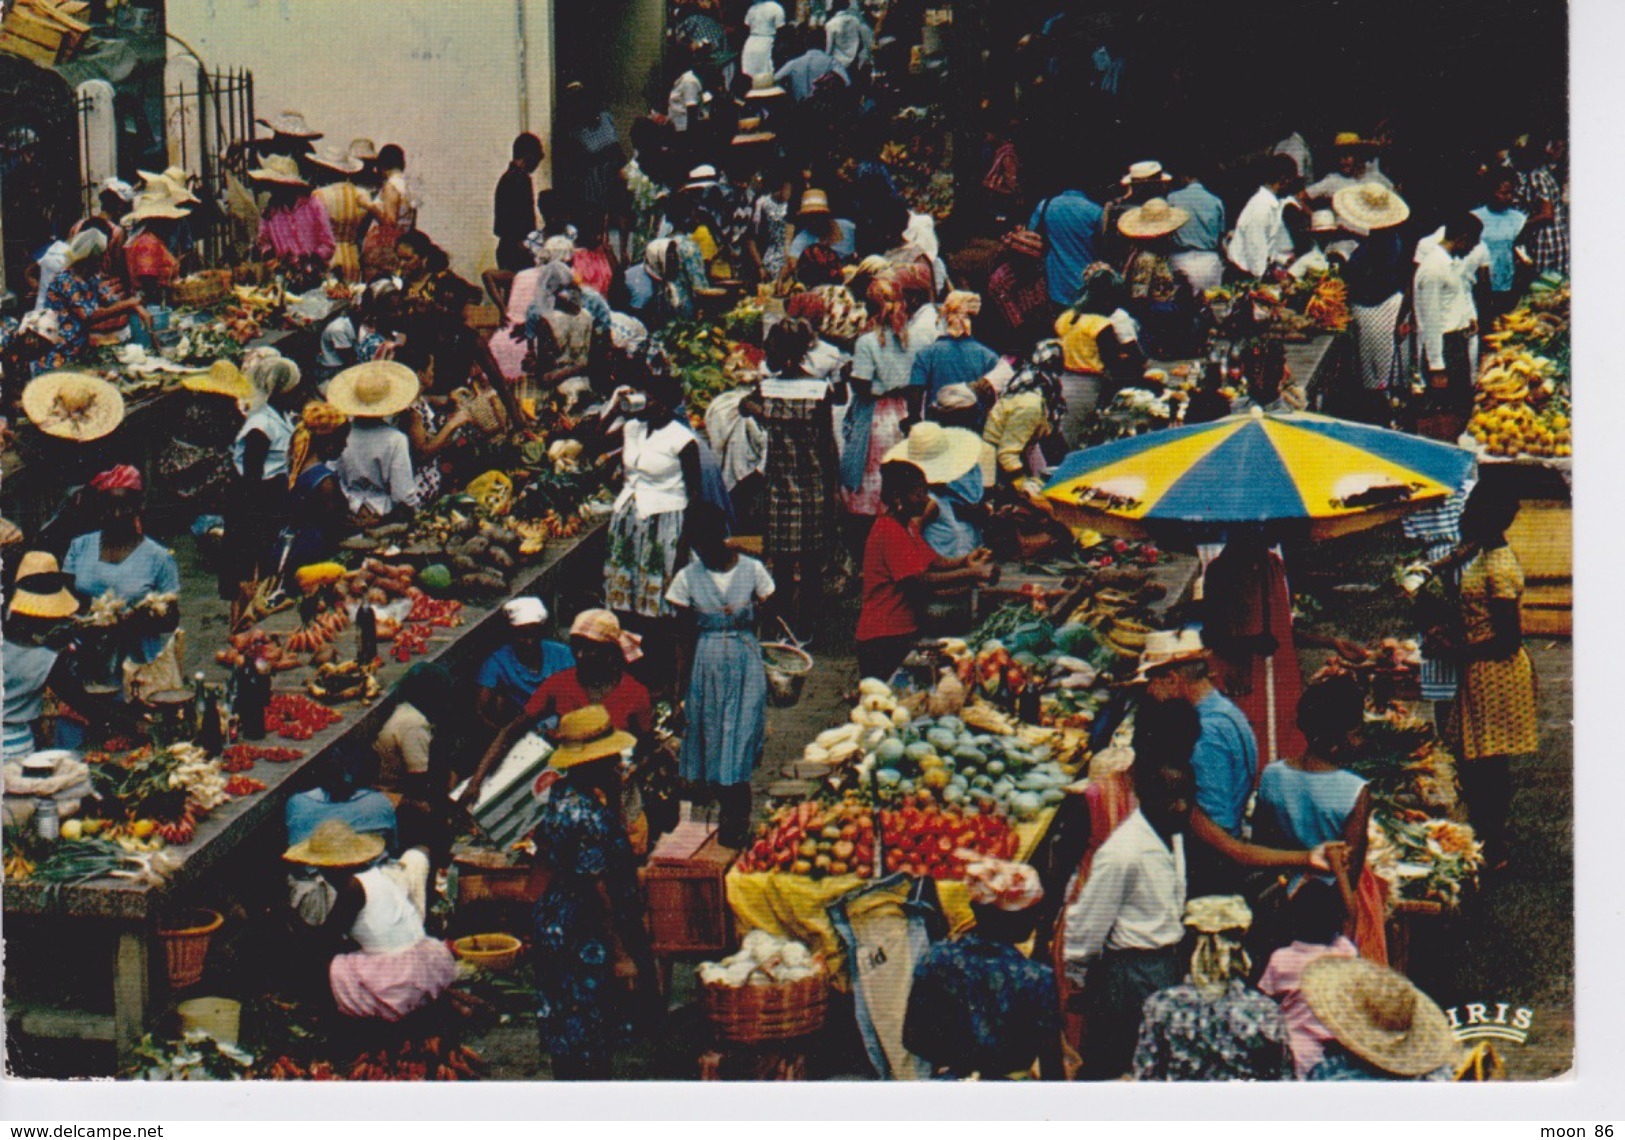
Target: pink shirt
x=300, y=232
x=1281, y=981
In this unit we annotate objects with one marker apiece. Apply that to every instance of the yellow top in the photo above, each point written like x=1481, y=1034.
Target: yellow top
x=1077, y=332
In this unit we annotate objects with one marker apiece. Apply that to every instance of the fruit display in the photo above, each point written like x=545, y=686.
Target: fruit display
x=918, y=836
x=1511, y=430
x=1423, y=858
x=295, y=717
x=1328, y=305
x=697, y=351
x=1523, y=382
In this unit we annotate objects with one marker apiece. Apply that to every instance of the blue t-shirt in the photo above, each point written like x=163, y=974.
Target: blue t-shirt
x=948, y=534
x=368, y=812
x=1500, y=237
x=951, y=360
x=1071, y=223
x=513, y=680
x=1304, y=809
x=1225, y=761
x=148, y=569
x=846, y=242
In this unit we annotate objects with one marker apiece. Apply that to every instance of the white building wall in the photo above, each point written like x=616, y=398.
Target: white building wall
x=442, y=78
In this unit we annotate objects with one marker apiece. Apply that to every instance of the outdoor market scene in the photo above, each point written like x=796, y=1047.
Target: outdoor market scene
x=816, y=540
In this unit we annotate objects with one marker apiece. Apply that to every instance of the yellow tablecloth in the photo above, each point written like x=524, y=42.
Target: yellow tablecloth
x=793, y=906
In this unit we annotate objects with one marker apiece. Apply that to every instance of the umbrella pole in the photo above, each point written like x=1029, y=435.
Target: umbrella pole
x=1269, y=707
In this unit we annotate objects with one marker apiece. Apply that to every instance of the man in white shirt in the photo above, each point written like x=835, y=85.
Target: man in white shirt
x=1447, y=321
x=1123, y=929
x=846, y=37
x=1261, y=240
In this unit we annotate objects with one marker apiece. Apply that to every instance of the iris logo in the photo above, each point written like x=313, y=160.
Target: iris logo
x=1500, y=1021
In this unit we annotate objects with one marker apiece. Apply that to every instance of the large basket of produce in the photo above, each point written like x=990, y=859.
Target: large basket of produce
x=186, y=945
x=772, y=990
x=787, y=669
x=203, y=289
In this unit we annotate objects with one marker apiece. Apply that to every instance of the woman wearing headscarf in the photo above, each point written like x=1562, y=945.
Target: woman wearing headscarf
x=510, y=345
x=1214, y=1026
x=85, y=301
x=956, y=357
x=319, y=514
x=676, y=271
x=1029, y=412
x=258, y=498
x=120, y=559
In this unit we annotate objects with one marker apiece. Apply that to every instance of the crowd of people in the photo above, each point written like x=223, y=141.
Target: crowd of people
x=901, y=395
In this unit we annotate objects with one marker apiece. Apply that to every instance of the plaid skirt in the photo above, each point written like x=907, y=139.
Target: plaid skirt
x=642, y=560
x=800, y=484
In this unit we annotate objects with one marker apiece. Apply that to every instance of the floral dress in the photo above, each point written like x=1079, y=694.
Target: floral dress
x=1238, y=1036
x=771, y=231
x=74, y=300
x=1495, y=706
x=581, y=1012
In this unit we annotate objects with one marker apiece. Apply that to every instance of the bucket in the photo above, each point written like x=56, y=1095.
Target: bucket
x=220, y=1018
x=787, y=669
x=186, y=945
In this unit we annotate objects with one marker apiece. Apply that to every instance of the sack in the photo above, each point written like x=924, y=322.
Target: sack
x=162, y=672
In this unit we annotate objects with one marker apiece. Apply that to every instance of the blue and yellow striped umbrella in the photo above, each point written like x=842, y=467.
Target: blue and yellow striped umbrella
x=1331, y=476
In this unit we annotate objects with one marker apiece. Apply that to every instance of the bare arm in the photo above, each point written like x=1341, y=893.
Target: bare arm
x=1216, y=838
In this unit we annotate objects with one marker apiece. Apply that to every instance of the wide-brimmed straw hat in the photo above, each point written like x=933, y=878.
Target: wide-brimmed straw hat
x=1150, y=171
x=1165, y=647
x=1369, y=206
x=813, y=202
x=222, y=379
x=1153, y=220
x=73, y=405
x=764, y=87
x=585, y=735
x=280, y=169
x=290, y=123
x=335, y=843
x=750, y=138
x=173, y=183
x=1379, y=1016
x=373, y=390
x=1352, y=139
x=332, y=156
x=10, y=533
x=364, y=149
x=41, y=589
x=162, y=197
x=943, y=453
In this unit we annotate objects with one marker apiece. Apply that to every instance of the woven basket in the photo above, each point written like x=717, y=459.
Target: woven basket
x=750, y=1014
x=186, y=947
x=202, y=289
x=484, y=408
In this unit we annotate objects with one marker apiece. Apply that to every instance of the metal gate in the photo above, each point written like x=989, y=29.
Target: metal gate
x=209, y=130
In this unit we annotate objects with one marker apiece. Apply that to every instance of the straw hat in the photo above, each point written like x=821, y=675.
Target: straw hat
x=1150, y=171
x=764, y=87
x=10, y=533
x=162, y=198
x=335, y=844
x=749, y=138
x=944, y=454
x=73, y=405
x=336, y=157
x=222, y=379
x=364, y=149
x=42, y=589
x=1164, y=647
x=1370, y=206
x=373, y=390
x=1379, y=1016
x=292, y=124
x=171, y=184
x=1351, y=139
x=701, y=176
x=281, y=169
x=813, y=202
x=588, y=734
x=1153, y=220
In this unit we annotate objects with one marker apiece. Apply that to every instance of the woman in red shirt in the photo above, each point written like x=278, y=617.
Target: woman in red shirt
x=901, y=572
x=602, y=650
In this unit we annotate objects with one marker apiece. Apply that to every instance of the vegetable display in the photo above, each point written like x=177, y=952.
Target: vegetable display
x=918, y=836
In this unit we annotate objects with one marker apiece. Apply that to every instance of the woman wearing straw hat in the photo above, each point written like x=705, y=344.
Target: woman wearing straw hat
x=294, y=231
x=1213, y=1026
x=258, y=499
x=1378, y=276
x=376, y=467
x=399, y=968
x=955, y=462
x=40, y=601
x=347, y=205
x=85, y=301
x=590, y=918
x=151, y=266
x=1383, y=1028
x=1158, y=298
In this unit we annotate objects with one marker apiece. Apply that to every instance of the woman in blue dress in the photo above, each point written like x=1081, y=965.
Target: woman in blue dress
x=120, y=559
x=592, y=907
x=726, y=708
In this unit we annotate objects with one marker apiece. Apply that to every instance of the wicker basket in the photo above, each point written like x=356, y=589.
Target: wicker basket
x=484, y=409
x=751, y=1014
x=202, y=289
x=186, y=945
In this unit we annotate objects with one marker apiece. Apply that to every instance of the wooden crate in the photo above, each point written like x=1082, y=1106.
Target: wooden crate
x=685, y=898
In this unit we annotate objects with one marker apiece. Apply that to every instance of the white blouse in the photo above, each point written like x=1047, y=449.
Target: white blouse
x=654, y=474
